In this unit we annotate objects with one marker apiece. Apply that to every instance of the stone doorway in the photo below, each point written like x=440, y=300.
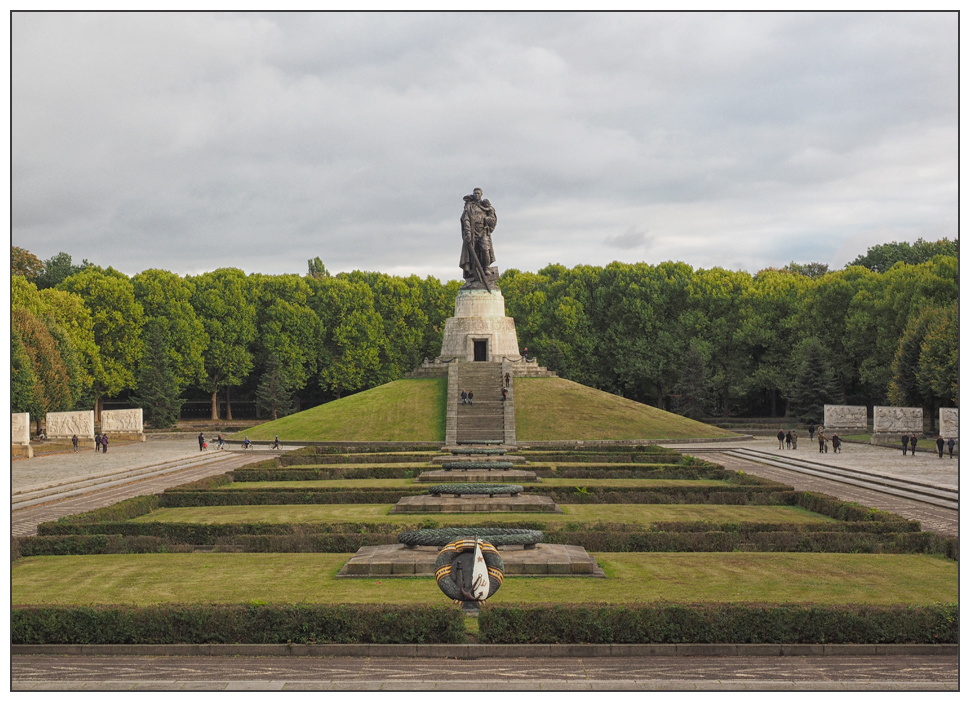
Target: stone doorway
x=481, y=350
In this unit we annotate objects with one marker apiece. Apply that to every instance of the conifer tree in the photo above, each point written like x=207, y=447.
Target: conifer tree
x=272, y=394
x=157, y=390
x=814, y=384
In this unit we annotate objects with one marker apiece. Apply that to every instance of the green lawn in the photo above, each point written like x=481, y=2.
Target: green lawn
x=632, y=514
x=405, y=410
x=550, y=409
x=393, y=483
x=825, y=578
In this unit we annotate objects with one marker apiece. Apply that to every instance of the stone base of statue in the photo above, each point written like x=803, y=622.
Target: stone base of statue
x=125, y=436
x=21, y=451
x=480, y=331
x=545, y=560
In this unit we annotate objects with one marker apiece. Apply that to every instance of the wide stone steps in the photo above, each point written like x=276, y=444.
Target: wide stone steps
x=484, y=419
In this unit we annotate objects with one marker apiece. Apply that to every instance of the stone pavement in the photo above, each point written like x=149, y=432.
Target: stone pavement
x=829, y=673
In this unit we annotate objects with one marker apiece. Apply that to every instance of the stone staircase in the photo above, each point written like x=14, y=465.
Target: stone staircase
x=484, y=419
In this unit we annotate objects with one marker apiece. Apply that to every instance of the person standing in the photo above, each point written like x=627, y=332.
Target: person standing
x=950, y=444
x=905, y=443
x=912, y=443
x=940, y=443
x=464, y=397
x=201, y=440
x=836, y=444
x=508, y=380
x=74, y=441
x=794, y=440
x=97, y=441
x=781, y=439
x=788, y=440
x=104, y=443
x=471, y=396
x=811, y=431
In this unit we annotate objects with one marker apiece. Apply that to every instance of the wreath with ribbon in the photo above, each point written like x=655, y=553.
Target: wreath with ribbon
x=446, y=574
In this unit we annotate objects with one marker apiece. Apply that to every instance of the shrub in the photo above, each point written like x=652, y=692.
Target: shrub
x=719, y=623
x=237, y=624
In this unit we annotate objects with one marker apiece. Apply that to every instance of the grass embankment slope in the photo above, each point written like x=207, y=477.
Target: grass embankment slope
x=555, y=409
x=404, y=410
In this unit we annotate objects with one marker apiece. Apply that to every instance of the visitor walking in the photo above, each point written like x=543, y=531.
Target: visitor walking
x=781, y=439
x=811, y=431
x=505, y=394
x=788, y=440
x=104, y=443
x=97, y=441
x=794, y=440
x=940, y=443
x=74, y=441
x=276, y=442
x=201, y=440
x=905, y=443
x=471, y=396
x=836, y=444
x=464, y=397
x=950, y=444
x=912, y=443
x=823, y=443
x=508, y=379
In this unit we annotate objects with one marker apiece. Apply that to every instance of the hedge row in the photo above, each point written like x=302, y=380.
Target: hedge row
x=837, y=509
x=577, y=457
x=210, y=534
x=767, y=541
x=120, y=511
x=238, y=624
x=283, y=496
x=257, y=475
x=719, y=623
x=594, y=541
x=350, y=459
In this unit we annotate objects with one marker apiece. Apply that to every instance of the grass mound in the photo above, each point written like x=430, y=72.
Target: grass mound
x=405, y=410
x=555, y=409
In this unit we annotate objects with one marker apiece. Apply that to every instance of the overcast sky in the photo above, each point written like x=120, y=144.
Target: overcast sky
x=191, y=142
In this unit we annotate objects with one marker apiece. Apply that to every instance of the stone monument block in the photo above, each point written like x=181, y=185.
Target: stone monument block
x=20, y=428
x=896, y=420
x=949, y=422
x=846, y=418
x=126, y=420
x=63, y=425
x=479, y=326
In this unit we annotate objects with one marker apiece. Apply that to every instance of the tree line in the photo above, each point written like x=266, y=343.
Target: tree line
x=702, y=342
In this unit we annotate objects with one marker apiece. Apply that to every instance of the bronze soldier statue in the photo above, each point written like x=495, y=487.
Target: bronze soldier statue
x=477, y=255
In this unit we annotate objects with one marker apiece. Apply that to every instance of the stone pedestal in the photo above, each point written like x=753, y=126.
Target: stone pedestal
x=480, y=317
x=397, y=560
x=426, y=504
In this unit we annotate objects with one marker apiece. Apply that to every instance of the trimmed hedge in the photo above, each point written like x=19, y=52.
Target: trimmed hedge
x=120, y=511
x=286, y=496
x=719, y=623
x=765, y=541
x=237, y=624
x=577, y=457
x=256, y=475
x=290, y=460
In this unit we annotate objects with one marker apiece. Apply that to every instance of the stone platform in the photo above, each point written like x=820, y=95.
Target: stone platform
x=478, y=476
x=397, y=560
x=475, y=503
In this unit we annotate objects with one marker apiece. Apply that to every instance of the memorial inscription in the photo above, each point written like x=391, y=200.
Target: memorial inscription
x=895, y=420
x=950, y=422
x=845, y=417
x=20, y=428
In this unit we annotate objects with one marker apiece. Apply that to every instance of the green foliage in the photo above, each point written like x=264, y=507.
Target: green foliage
x=273, y=395
x=58, y=268
x=51, y=392
x=882, y=257
x=812, y=270
x=813, y=384
x=287, y=328
x=719, y=623
x=238, y=624
x=23, y=382
x=166, y=300
x=157, y=392
x=117, y=320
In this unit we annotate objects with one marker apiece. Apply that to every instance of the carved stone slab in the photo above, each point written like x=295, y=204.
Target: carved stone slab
x=126, y=420
x=846, y=417
x=66, y=424
x=949, y=422
x=20, y=428
x=895, y=420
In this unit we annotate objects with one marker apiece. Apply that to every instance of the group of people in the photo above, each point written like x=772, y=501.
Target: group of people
x=910, y=441
x=222, y=443
x=467, y=397
x=100, y=442
x=789, y=440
